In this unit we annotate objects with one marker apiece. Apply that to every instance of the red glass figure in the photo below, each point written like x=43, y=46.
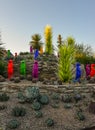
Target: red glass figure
x=92, y=73
x=10, y=69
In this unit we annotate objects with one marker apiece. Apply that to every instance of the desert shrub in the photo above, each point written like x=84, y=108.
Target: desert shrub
x=2, y=68
x=38, y=114
x=4, y=97
x=12, y=124
x=21, y=97
x=44, y=99
x=49, y=122
x=18, y=111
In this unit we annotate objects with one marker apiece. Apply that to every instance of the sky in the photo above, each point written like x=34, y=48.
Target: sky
x=20, y=19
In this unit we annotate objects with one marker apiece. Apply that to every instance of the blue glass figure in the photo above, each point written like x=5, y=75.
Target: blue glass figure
x=78, y=72
x=36, y=53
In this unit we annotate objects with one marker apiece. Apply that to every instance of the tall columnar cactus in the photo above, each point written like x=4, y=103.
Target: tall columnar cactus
x=48, y=40
x=66, y=59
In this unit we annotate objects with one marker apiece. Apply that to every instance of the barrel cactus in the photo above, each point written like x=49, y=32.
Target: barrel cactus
x=13, y=124
x=4, y=97
x=44, y=99
x=36, y=106
x=18, y=111
x=32, y=92
x=49, y=122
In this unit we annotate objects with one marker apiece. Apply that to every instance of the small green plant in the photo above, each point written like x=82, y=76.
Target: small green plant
x=66, y=98
x=49, y=122
x=4, y=97
x=2, y=68
x=2, y=107
x=80, y=116
x=67, y=106
x=13, y=124
x=36, y=106
x=18, y=111
x=55, y=96
x=21, y=97
x=38, y=114
x=44, y=99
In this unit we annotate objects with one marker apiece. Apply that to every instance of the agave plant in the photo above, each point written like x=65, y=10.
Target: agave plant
x=66, y=59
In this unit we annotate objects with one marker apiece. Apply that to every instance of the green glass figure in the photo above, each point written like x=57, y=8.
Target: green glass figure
x=23, y=68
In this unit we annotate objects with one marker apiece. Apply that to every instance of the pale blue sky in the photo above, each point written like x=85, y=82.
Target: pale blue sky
x=19, y=19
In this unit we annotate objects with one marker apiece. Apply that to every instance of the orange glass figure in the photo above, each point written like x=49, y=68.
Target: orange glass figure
x=92, y=72
x=10, y=69
x=41, y=50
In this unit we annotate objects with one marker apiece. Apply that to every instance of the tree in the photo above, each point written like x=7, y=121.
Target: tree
x=48, y=40
x=1, y=51
x=36, y=41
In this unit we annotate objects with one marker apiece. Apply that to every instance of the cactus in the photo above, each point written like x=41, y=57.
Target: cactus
x=2, y=107
x=36, y=106
x=44, y=99
x=81, y=117
x=21, y=97
x=67, y=106
x=49, y=122
x=12, y=124
x=55, y=96
x=38, y=114
x=18, y=111
x=32, y=93
x=66, y=98
x=4, y=97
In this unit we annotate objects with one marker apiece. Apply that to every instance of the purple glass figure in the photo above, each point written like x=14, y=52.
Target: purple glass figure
x=35, y=70
x=88, y=69
x=31, y=49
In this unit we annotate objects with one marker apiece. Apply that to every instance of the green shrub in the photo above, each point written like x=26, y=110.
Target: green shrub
x=44, y=99
x=4, y=97
x=13, y=124
x=18, y=111
x=21, y=97
x=38, y=114
x=2, y=68
x=36, y=106
x=49, y=122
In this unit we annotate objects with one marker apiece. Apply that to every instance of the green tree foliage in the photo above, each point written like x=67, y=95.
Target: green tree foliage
x=66, y=59
x=1, y=51
x=84, y=54
x=36, y=41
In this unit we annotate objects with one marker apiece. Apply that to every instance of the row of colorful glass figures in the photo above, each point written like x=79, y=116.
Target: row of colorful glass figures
x=10, y=69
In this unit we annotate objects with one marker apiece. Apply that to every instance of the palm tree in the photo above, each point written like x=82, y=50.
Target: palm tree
x=36, y=41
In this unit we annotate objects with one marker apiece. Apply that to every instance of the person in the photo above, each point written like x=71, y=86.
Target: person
x=10, y=69
x=92, y=72
x=88, y=69
x=78, y=72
